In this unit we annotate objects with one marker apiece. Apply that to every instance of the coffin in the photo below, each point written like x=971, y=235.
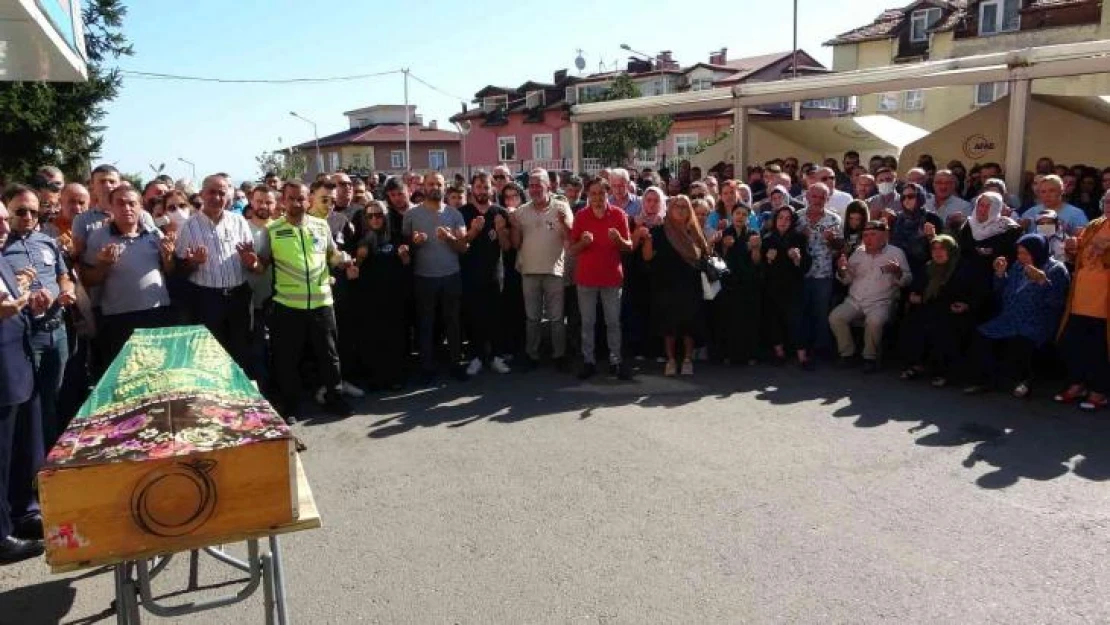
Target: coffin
x=175, y=449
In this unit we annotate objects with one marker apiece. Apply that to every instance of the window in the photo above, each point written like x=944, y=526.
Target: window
x=533, y=99
x=920, y=23
x=590, y=93
x=333, y=161
x=494, y=102
x=655, y=86
x=888, y=102
x=356, y=161
x=832, y=104
x=571, y=95
x=541, y=147
x=988, y=92
x=506, y=148
x=685, y=144
x=701, y=84
x=913, y=100
x=437, y=159
x=999, y=16
x=647, y=156
x=397, y=159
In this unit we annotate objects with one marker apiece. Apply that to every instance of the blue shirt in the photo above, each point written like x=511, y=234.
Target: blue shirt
x=632, y=208
x=1072, y=217
x=40, y=252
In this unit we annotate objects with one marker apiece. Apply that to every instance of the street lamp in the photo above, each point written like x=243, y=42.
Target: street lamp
x=626, y=47
x=193, y=166
x=316, y=134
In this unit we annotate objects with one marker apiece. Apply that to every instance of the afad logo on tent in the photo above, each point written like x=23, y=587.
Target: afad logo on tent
x=977, y=146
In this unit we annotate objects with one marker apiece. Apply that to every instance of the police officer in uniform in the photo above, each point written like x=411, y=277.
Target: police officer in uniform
x=20, y=426
x=29, y=250
x=301, y=249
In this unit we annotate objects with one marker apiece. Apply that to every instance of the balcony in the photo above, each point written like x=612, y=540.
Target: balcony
x=497, y=117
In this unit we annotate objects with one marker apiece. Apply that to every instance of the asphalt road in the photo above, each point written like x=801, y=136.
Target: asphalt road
x=763, y=495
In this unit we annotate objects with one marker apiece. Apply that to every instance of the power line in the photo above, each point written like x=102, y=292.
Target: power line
x=435, y=88
x=271, y=81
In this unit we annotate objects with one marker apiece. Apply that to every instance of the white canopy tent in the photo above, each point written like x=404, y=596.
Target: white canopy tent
x=981, y=136
x=1017, y=67
x=42, y=40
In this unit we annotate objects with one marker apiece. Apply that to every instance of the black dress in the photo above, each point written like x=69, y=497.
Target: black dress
x=980, y=256
x=378, y=295
x=637, y=338
x=676, y=294
x=736, y=310
x=932, y=335
x=783, y=284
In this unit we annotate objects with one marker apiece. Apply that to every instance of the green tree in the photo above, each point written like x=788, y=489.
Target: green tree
x=614, y=141
x=288, y=164
x=57, y=123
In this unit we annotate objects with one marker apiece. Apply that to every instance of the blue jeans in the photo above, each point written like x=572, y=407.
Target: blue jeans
x=816, y=305
x=50, y=351
x=611, y=307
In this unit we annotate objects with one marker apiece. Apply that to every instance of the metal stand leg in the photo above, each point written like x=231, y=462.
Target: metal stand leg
x=267, y=561
x=279, y=581
x=127, y=601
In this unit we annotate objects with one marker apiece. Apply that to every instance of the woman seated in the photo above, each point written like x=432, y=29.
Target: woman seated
x=1085, y=334
x=675, y=252
x=1031, y=293
x=736, y=309
x=786, y=260
x=941, y=313
x=913, y=227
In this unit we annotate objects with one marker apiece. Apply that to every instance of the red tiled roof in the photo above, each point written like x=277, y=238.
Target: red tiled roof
x=386, y=133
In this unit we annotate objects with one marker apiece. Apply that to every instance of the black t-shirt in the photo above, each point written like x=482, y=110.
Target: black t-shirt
x=482, y=258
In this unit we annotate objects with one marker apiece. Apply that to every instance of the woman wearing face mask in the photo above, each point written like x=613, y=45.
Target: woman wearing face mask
x=985, y=236
x=736, y=310
x=940, y=318
x=381, y=262
x=1084, y=337
x=785, y=260
x=675, y=252
x=638, y=340
x=1031, y=294
x=176, y=210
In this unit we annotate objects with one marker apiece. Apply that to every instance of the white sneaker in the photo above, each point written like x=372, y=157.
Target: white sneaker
x=670, y=369
x=351, y=390
x=687, y=367
x=499, y=365
x=475, y=367
x=321, y=395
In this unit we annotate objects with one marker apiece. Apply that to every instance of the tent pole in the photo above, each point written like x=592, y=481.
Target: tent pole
x=740, y=142
x=1015, y=134
x=576, y=147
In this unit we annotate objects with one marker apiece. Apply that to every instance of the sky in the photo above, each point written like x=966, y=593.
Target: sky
x=459, y=47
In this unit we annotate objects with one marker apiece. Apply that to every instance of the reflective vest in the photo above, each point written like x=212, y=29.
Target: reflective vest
x=300, y=261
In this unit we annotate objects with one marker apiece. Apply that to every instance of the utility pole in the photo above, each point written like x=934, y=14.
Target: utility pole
x=794, y=63
x=408, y=121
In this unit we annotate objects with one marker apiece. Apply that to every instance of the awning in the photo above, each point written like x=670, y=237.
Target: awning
x=42, y=40
x=836, y=135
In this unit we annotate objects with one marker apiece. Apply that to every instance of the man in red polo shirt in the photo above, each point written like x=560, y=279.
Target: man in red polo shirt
x=599, y=235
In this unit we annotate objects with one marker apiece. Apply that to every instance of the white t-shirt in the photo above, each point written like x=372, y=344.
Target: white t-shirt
x=543, y=238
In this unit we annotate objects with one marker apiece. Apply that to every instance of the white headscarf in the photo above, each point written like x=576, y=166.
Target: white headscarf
x=995, y=223
x=745, y=187
x=662, y=206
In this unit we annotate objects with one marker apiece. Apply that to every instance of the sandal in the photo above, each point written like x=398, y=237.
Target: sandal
x=910, y=374
x=1073, y=393
x=1092, y=404
x=939, y=382
x=1021, y=391
x=671, y=369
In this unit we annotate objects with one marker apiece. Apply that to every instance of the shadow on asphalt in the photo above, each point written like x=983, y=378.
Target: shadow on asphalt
x=48, y=602
x=1021, y=439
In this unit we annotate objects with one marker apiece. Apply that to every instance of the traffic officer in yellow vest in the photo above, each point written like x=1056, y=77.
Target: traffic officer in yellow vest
x=300, y=249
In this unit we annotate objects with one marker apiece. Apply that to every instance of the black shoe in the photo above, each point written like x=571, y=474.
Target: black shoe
x=337, y=406
x=624, y=372
x=14, y=549
x=427, y=378
x=298, y=444
x=562, y=365
x=29, y=529
x=847, y=362
x=459, y=373
x=809, y=365
x=588, y=371
x=870, y=366
x=526, y=365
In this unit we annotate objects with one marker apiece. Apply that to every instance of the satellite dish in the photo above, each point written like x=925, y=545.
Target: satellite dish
x=580, y=62
x=463, y=126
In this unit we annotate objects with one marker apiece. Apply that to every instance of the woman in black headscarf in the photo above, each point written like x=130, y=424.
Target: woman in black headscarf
x=736, y=310
x=785, y=260
x=913, y=227
x=940, y=317
x=380, y=330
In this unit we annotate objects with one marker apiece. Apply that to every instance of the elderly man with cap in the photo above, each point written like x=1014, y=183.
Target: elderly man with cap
x=875, y=274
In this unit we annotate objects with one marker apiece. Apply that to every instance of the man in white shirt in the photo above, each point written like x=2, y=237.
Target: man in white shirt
x=950, y=207
x=875, y=273
x=539, y=231
x=838, y=200
x=215, y=248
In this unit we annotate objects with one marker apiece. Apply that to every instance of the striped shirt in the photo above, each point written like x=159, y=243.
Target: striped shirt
x=223, y=269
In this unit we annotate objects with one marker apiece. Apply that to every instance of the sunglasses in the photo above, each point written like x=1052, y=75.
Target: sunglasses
x=499, y=177
x=345, y=184
x=376, y=215
x=26, y=212
x=824, y=178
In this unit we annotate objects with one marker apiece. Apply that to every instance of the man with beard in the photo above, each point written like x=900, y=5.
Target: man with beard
x=487, y=230
x=437, y=234
x=263, y=208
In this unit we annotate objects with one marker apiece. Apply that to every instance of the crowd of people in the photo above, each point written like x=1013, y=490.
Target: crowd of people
x=351, y=284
